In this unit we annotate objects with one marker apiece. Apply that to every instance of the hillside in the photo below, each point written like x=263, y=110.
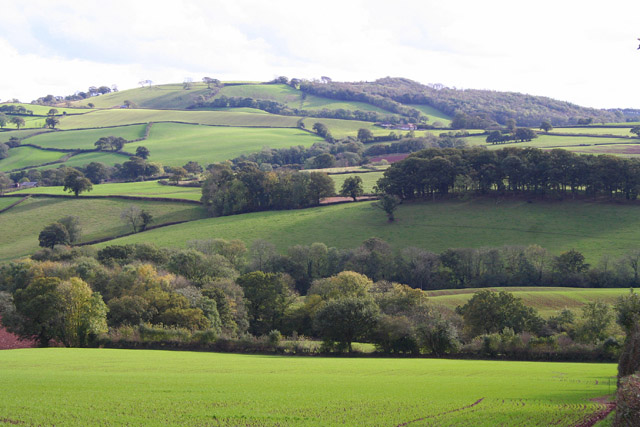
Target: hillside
x=488, y=105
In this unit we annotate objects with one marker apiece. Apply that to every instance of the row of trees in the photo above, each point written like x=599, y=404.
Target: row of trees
x=435, y=171
x=247, y=188
x=144, y=287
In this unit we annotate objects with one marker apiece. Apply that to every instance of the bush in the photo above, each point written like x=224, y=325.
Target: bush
x=628, y=401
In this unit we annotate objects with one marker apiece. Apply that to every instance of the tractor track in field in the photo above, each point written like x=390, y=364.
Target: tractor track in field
x=600, y=415
x=477, y=402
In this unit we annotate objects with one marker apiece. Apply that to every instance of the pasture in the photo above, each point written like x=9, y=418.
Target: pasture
x=592, y=228
x=59, y=386
x=43, y=110
x=157, y=96
x=139, y=189
x=369, y=179
x=6, y=135
x=120, y=117
x=22, y=157
x=176, y=144
x=99, y=218
x=548, y=301
x=84, y=139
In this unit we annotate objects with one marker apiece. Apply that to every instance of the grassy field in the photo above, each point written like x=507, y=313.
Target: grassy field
x=592, y=228
x=159, y=96
x=7, y=201
x=43, y=110
x=120, y=117
x=22, y=157
x=433, y=114
x=20, y=134
x=547, y=301
x=548, y=141
x=84, y=139
x=595, y=131
x=369, y=179
x=134, y=387
x=140, y=189
x=175, y=144
x=98, y=218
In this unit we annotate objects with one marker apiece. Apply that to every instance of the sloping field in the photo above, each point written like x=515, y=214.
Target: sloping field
x=159, y=96
x=22, y=157
x=84, y=159
x=592, y=228
x=176, y=144
x=140, y=189
x=20, y=134
x=622, y=131
x=547, y=141
x=369, y=179
x=547, y=301
x=43, y=110
x=98, y=218
x=433, y=114
x=120, y=117
x=135, y=387
x=84, y=139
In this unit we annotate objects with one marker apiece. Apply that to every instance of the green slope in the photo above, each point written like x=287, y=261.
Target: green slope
x=98, y=217
x=119, y=117
x=547, y=301
x=158, y=96
x=84, y=139
x=140, y=189
x=175, y=144
x=22, y=157
x=592, y=228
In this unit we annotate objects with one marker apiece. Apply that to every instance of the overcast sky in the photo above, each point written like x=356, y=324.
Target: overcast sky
x=579, y=51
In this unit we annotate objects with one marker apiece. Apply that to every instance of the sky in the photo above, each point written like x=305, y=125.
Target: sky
x=583, y=52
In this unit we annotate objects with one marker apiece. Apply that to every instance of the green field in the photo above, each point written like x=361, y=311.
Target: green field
x=623, y=131
x=6, y=135
x=120, y=117
x=7, y=201
x=22, y=157
x=134, y=387
x=548, y=141
x=43, y=110
x=176, y=144
x=433, y=114
x=547, y=301
x=84, y=139
x=159, y=96
x=591, y=228
x=140, y=189
x=98, y=218
x=369, y=179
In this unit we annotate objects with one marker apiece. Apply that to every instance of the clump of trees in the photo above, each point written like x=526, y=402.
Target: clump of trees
x=438, y=172
x=247, y=188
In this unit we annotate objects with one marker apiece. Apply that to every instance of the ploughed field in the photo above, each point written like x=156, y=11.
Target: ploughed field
x=60, y=386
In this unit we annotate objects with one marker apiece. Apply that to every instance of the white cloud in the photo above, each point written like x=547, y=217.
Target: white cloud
x=580, y=51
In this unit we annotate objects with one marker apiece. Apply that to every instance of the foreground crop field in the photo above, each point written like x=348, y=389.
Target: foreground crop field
x=134, y=387
x=548, y=301
x=589, y=227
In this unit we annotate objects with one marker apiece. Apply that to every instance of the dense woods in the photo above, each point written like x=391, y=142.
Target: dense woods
x=482, y=107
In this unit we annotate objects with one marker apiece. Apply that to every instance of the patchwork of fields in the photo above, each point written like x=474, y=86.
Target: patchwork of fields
x=91, y=386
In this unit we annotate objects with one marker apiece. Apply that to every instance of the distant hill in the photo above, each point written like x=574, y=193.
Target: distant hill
x=485, y=105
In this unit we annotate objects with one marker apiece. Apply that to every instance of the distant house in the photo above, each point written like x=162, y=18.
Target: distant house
x=27, y=184
x=408, y=126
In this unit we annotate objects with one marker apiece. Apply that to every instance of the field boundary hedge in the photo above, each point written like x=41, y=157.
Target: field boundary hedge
x=15, y=204
x=152, y=227
x=115, y=196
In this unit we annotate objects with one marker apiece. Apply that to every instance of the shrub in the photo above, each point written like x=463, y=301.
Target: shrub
x=628, y=401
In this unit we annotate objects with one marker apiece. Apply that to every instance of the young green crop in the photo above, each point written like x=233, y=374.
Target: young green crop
x=98, y=386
